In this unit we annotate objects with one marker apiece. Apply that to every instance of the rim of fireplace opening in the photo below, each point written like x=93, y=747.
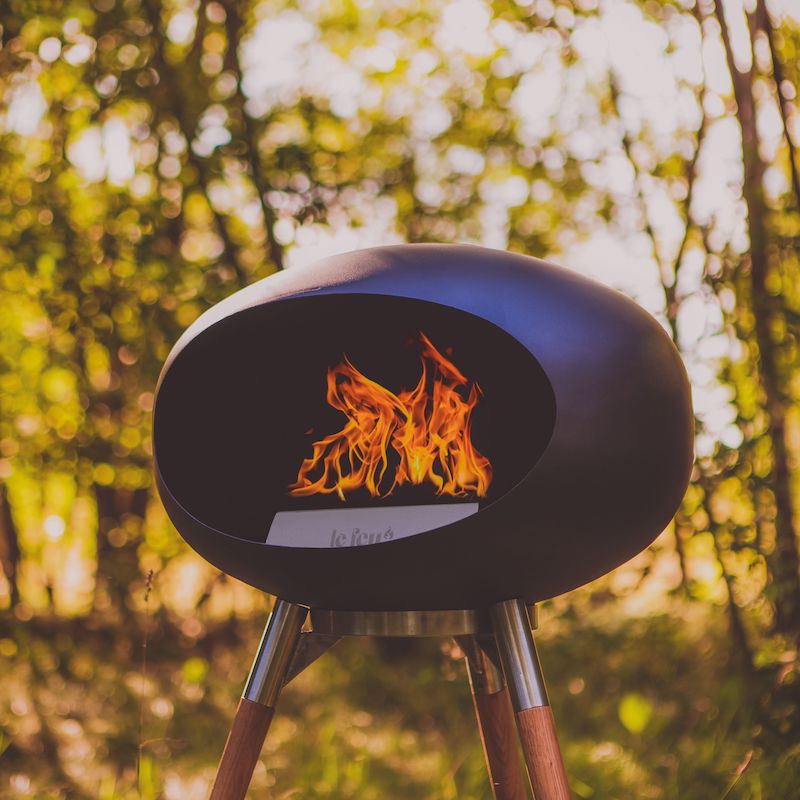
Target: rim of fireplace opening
x=234, y=420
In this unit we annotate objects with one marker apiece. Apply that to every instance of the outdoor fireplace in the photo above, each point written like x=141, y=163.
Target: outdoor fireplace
x=422, y=427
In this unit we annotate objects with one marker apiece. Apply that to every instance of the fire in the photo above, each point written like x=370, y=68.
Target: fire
x=422, y=435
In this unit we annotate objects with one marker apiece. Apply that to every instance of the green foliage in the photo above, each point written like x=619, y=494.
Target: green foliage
x=155, y=157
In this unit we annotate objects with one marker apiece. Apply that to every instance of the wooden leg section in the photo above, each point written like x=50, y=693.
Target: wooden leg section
x=495, y=720
x=498, y=734
x=537, y=733
x=242, y=749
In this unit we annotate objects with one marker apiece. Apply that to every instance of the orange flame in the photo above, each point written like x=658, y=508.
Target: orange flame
x=428, y=431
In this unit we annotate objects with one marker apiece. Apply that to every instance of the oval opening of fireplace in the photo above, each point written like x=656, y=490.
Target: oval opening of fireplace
x=348, y=419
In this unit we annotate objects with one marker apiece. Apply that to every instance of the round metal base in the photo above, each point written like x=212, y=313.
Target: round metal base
x=405, y=623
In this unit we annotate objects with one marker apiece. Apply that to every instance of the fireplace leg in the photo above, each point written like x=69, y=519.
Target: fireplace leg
x=495, y=720
x=257, y=706
x=535, y=723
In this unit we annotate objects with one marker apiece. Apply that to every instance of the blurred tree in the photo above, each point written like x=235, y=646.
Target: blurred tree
x=760, y=301
x=155, y=157
x=9, y=547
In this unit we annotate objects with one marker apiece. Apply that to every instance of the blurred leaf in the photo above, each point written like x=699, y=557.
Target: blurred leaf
x=635, y=712
x=194, y=670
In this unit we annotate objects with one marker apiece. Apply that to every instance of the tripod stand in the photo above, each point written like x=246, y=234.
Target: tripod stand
x=501, y=662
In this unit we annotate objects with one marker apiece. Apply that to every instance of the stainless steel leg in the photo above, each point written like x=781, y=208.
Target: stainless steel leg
x=275, y=653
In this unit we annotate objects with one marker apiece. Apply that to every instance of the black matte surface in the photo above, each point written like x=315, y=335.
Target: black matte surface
x=613, y=469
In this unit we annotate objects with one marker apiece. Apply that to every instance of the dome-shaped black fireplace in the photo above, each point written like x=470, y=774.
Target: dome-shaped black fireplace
x=422, y=427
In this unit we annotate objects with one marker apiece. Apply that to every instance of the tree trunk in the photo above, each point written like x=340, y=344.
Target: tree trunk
x=117, y=562
x=784, y=562
x=9, y=545
x=668, y=273
x=764, y=23
x=740, y=648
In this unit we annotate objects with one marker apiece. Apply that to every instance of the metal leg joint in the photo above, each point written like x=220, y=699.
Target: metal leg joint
x=485, y=675
x=518, y=656
x=275, y=653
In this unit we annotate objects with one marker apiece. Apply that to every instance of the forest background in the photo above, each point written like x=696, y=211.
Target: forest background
x=155, y=157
